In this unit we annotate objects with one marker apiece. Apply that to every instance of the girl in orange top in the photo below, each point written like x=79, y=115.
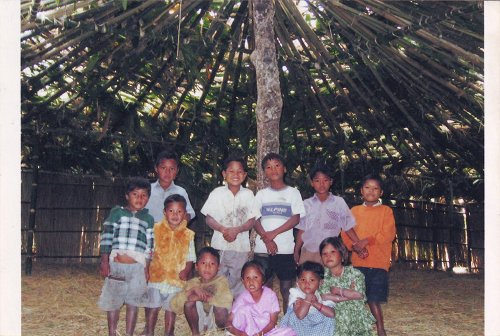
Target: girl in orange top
x=376, y=229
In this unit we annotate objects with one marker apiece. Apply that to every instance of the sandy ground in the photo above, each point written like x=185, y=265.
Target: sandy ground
x=61, y=300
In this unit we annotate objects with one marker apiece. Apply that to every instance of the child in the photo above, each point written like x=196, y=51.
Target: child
x=345, y=286
x=206, y=299
x=166, y=168
x=376, y=228
x=326, y=216
x=126, y=243
x=307, y=313
x=255, y=311
x=280, y=209
x=231, y=213
x=172, y=263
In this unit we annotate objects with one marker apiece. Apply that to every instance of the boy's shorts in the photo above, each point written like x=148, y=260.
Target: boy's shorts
x=157, y=299
x=283, y=265
x=377, y=284
x=206, y=320
x=126, y=283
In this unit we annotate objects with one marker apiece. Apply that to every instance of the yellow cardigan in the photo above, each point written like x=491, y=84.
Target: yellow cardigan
x=170, y=252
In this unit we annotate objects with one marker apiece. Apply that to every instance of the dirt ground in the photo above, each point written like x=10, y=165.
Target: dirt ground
x=61, y=300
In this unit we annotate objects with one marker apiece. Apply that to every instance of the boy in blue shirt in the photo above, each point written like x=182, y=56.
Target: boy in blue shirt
x=126, y=244
x=166, y=168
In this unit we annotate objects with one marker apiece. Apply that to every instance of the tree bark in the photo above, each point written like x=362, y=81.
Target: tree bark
x=269, y=101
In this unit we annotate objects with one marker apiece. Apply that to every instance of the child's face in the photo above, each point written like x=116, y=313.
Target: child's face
x=274, y=170
x=252, y=280
x=330, y=256
x=321, y=183
x=166, y=171
x=175, y=212
x=137, y=199
x=234, y=174
x=308, y=282
x=371, y=191
x=207, y=267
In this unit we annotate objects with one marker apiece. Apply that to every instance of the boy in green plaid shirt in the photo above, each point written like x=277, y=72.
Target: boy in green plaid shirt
x=126, y=244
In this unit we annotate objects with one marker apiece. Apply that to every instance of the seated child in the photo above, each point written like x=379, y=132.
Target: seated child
x=173, y=257
x=307, y=313
x=255, y=311
x=126, y=244
x=345, y=286
x=206, y=299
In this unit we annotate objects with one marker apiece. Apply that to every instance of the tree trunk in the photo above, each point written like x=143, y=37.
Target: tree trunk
x=269, y=101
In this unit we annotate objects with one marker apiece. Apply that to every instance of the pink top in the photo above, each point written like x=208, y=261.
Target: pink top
x=251, y=317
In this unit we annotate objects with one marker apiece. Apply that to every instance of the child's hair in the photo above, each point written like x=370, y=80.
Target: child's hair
x=209, y=250
x=337, y=243
x=272, y=156
x=311, y=266
x=257, y=265
x=138, y=183
x=230, y=159
x=175, y=198
x=374, y=177
x=320, y=168
x=166, y=155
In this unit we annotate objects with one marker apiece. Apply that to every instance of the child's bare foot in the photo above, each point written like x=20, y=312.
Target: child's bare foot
x=381, y=332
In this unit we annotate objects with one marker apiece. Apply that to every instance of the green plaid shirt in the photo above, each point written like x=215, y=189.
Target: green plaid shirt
x=124, y=230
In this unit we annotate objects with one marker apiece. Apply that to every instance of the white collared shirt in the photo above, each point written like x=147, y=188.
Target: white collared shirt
x=230, y=210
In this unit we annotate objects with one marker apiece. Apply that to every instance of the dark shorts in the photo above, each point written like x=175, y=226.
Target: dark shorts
x=377, y=284
x=283, y=265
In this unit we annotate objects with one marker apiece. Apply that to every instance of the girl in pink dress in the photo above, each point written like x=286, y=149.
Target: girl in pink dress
x=255, y=311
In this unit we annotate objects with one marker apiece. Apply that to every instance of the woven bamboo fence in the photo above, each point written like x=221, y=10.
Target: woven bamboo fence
x=62, y=216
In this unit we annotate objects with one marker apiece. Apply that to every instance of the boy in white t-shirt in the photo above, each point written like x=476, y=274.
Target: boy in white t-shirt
x=231, y=213
x=280, y=209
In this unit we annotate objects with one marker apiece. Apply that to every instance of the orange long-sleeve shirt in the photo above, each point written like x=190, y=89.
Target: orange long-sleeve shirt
x=377, y=224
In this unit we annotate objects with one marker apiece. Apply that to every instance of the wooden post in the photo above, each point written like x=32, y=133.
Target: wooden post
x=468, y=240
x=32, y=216
x=451, y=210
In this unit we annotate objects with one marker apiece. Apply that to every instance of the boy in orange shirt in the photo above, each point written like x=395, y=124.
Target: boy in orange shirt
x=376, y=229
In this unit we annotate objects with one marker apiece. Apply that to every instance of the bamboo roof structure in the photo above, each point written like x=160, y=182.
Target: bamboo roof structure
x=367, y=85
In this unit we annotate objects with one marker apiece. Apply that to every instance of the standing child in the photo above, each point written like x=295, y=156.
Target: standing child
x=126, y=243
x=326, y=216
x=308, y=314
x=255, y=311
x=206, y=299
x=231, y=213
x=280, y=209
x=166, y=168
x=173, y=257
x=345, y=286
x=376, y=228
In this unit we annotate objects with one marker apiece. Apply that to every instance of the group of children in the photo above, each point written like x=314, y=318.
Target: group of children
x=148, y=259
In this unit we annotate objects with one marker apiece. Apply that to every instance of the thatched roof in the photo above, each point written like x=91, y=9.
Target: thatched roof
x=394, y=86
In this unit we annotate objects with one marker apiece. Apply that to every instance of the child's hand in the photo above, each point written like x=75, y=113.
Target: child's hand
x=336, y=290
x=104, y=268
x=199, y=294
x=184, y=274
x=271, y=247
x=363, y=253
x=230, y=234
x=146, y=273
x=311, y=298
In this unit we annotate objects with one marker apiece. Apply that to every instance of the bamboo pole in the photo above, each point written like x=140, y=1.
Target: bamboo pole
x=32, y=216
